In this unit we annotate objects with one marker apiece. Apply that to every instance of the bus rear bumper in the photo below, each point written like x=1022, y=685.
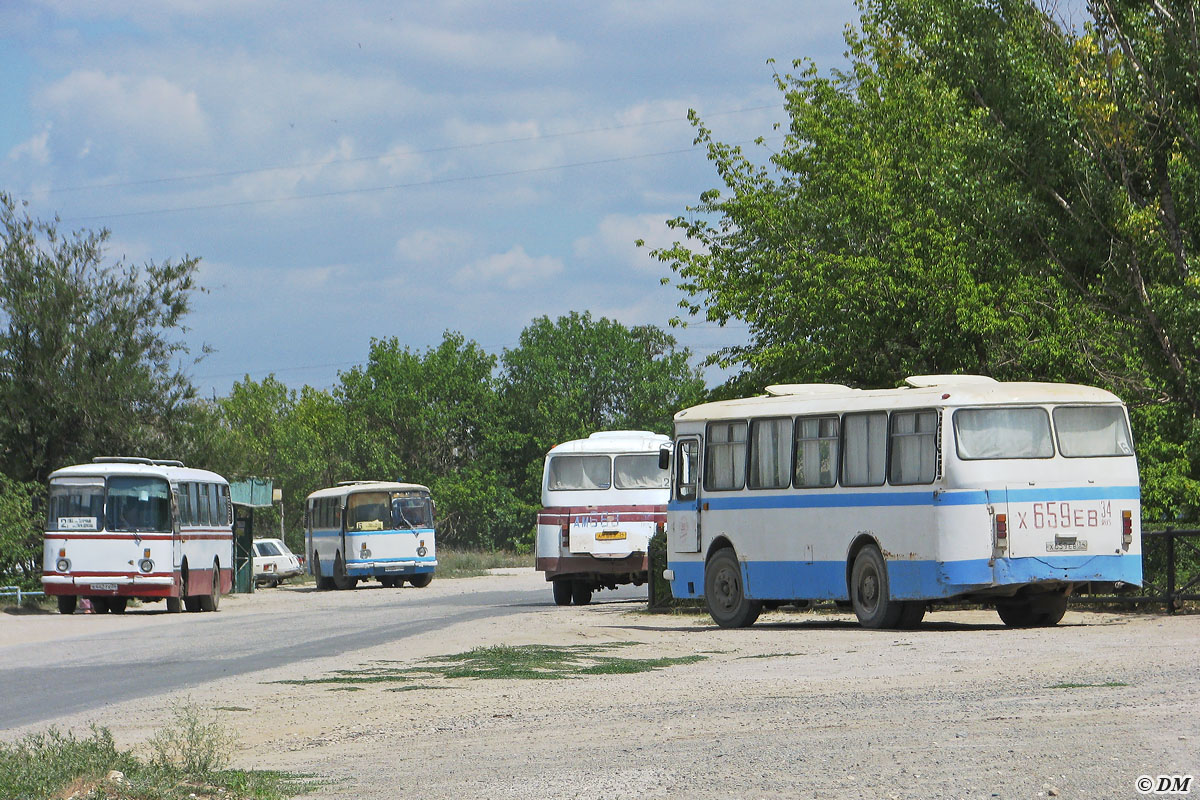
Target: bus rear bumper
x=586, y=565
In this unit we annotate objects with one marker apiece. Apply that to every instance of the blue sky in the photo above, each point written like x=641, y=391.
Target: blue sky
x=375, y=169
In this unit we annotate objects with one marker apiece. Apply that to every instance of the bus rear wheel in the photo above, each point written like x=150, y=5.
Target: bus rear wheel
x=725, y=594
x=421, y=580
x=870, y=594
x=581, y=593
x=562, y=592
x=212, y=600
x=67, y=603
x=1040, y=611
x=174, y=605
x=324, y=582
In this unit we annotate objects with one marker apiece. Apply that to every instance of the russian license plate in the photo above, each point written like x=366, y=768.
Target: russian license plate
x=1067, y=546
x=104, y=587
x=606, y=536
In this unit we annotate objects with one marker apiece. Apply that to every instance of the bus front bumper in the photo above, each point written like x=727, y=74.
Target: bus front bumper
x=121, y=585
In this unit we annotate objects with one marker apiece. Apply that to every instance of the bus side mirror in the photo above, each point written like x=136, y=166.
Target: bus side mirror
x=664, y=457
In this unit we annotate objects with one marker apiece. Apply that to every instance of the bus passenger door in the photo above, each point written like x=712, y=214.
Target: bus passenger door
x=176, y=531
x=683, y=517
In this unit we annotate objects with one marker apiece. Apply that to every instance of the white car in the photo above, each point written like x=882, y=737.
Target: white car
x=274, y=563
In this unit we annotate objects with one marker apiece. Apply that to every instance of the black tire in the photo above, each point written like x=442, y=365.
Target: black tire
x=1040, y=611
x=67, y=603
x=341, y=580
x=912, y=614
x=581, y=593
x=212, y=600
x=562, y=592
x=117, y=605
x=99, y=605
x=174, y=605
x=324, y=582
x=725, y=594
x=869, y=591
x=421, y=579
x=387, y=582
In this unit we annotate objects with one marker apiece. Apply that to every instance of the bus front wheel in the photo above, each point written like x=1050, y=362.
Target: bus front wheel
x=341, y=579
x=724, y=592
x=66, y=603
x=869, y=591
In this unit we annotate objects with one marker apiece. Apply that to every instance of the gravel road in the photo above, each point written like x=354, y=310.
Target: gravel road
x=802, y=705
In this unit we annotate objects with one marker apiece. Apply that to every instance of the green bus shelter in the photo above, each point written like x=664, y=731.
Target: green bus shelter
x=247, y=494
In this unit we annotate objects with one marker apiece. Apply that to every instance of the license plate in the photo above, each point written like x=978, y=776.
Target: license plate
x=603, y=536
x=104, y=587
x=1066, y=547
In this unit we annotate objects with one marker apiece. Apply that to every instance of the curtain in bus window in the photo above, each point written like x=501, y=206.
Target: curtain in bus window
x=987, y=433
x=1085, y=431
x=770, y=453
x=216, y=512
x=914, y=447
x=865, y=450
x=194, y=494
x=138, y=504
x=368, y=511
x=579, y=472
x=816, y=451
x=185, y=505
x=725, y=459
x=639, y=472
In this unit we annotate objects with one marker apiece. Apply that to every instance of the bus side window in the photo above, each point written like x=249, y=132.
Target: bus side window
x=687, y=462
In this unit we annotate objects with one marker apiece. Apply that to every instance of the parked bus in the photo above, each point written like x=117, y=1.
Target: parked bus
x=603, y=497
x=359, y=530
x=954, y=488
x=134, y=527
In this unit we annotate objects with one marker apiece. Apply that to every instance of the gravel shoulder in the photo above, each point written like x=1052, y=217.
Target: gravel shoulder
x=800, y=705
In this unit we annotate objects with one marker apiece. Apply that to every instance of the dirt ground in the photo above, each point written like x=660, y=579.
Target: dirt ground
x=800, y=705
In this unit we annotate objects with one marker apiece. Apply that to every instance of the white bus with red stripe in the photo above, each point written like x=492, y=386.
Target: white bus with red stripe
x=134, y=527
x=603, y=497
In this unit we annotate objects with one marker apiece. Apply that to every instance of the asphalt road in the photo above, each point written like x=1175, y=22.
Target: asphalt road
x=86, y=662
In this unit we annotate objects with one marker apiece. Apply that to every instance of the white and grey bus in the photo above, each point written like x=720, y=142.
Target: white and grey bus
x=360, y=530
x=134, y=527
x=953, y=488
x=603, y=497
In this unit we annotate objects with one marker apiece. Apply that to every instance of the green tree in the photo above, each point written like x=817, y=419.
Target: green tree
x=576, y=375
x=89, y=350
x=20, y=533
x=983, y=190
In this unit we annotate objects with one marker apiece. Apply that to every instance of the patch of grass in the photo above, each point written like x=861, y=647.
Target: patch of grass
x=772, y=655
x=546, y=662
x=415, y=688
x=1105, y=685
x=231, y=708
x=186, y=764
x=348, y=676
x=473, y=563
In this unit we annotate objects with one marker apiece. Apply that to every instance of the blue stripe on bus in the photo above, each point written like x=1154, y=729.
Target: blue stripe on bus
x=841, y=499
x=910, y=580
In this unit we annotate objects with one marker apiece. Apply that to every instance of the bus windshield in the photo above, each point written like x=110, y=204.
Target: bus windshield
x=128, y=504
x=377, y=511
x=640, y=472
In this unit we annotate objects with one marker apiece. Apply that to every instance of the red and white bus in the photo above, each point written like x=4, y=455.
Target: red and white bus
x=134, y=527
x=603, y=497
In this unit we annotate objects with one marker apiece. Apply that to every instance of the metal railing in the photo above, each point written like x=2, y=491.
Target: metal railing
x=10, y=591
x=1168, y=579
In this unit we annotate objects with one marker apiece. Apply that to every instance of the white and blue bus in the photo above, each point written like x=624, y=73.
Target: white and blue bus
x=124, y=527
x=360, y=530
x=953, y=488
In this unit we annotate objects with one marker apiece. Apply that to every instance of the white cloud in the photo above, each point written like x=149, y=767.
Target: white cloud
x=513, y=270
x=36, y=148
x=615, y=240
x=431, y=245
x=137, y=109
x=495, y=49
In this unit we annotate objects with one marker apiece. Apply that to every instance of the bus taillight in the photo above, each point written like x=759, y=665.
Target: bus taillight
x=566, y=535
x=1001, y=529
x=1127, y=528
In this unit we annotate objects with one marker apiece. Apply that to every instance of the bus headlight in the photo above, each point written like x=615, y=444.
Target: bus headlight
x=146, y=565
x=63, y=565
x=421, y=551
